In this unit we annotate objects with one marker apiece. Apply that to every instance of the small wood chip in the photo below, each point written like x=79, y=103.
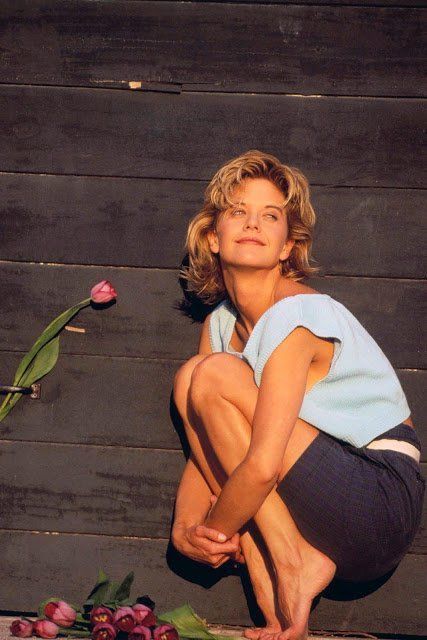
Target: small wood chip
x=76, y=329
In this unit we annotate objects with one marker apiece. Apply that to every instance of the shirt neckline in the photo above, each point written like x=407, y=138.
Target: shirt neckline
x=233, y=312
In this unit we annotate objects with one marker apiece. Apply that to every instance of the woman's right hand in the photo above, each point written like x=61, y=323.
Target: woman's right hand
x=203, y=545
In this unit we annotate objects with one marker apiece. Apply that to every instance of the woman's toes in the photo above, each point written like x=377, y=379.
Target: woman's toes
x=260, y=633
x=254, y=633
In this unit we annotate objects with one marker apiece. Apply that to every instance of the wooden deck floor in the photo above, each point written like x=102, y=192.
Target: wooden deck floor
x=233, y=631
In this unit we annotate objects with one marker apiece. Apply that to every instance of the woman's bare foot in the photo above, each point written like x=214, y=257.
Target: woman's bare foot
x=296, y=589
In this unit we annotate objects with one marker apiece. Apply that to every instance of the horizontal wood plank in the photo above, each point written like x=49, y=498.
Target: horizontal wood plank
x=99, y=400
x=71, y=488
x=96, y=489
x=83, y=220
x=348, y=3
x=303, y=49
x=373, y=142
x=145, y=322
x=214, y=594
x=111, y=401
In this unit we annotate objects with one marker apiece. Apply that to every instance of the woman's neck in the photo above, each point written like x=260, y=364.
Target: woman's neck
x=252, y=294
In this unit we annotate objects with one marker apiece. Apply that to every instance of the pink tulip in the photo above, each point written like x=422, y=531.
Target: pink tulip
x=103, y=292
x=165, y=632
x=21, y=628
x=45, y=629
x=104, y=631
x=101, y=614
x=144, y=615
x=124, y=619
x=60, y=612
x=140, y=633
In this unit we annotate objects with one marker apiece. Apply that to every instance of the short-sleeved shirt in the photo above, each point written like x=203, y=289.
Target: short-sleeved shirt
x=360, y=397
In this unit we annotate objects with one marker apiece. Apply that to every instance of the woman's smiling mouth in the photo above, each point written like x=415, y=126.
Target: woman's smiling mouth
x=251, y=240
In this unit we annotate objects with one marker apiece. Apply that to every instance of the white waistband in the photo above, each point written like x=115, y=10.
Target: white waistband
x=396, y=445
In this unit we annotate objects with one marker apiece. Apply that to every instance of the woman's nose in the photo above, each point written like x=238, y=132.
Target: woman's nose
x=252, y=221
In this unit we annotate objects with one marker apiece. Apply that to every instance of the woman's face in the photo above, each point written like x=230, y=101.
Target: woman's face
x=257, y=213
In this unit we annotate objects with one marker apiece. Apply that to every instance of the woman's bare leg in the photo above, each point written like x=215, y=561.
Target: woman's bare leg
x=214, y=401
x=258, y=563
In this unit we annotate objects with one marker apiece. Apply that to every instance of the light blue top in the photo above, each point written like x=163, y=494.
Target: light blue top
x=361, y=396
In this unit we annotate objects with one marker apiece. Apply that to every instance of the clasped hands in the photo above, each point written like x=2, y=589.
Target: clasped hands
x=204, y=544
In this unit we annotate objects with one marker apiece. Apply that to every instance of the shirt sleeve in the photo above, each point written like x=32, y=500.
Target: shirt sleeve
x=218, y=327
x=284, y=317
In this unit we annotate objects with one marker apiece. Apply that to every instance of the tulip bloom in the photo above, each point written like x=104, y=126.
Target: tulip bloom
x=140, y=632
x=124, y=619
x=165, y=632
x=144, y=615
x=60, y=612
x=104, y=631
x=103, y=292
x=45, y=629
x=21, y=628
x=101, y=614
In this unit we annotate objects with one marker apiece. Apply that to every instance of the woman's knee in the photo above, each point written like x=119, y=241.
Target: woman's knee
x=182, y=379
x=209, y=375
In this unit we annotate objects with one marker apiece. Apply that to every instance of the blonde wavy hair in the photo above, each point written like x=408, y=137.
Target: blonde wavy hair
x=204, y=273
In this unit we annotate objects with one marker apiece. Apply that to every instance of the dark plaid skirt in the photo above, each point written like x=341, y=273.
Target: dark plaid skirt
x=361, y=507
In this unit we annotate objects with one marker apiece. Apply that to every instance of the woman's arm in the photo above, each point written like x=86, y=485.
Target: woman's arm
x=193, y=499
x=280, y=397
x=189, y=536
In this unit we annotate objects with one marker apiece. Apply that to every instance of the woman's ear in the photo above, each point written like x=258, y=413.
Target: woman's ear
x=287, y=249
x=213, y=241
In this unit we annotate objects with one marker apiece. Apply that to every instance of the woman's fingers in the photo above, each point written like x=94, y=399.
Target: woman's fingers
x=212, y=534
x=207, y=539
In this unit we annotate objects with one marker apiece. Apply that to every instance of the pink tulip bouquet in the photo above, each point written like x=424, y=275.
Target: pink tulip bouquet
x=43, y=355
x=109, y=613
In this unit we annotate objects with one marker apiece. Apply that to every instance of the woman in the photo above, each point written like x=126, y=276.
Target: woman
x=296, y=420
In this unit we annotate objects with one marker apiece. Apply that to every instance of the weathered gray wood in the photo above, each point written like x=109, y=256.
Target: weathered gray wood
x=352, y=3
x=234, y=632
x=338, y=141
x=97, y=400
x=414, y=384
x=81, y=220
x=303, y=49
x=144, y=322
x=95, y=489
x=126, y=401
x=67, y=566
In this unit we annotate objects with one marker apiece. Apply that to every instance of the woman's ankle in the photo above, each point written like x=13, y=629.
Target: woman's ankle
x=286, y=558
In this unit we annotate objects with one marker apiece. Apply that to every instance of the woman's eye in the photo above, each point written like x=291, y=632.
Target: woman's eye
x=241, y=211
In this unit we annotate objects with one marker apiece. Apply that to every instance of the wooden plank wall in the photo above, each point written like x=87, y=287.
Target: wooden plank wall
x=99, y=180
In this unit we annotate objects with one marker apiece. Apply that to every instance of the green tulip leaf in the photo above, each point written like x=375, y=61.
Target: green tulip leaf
x=51, y=330
x=189, y=624
x=99, y=591
x=125, y=602
x=101, y=594
x=42, y=363
x=123, y=591
x=114, y=586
